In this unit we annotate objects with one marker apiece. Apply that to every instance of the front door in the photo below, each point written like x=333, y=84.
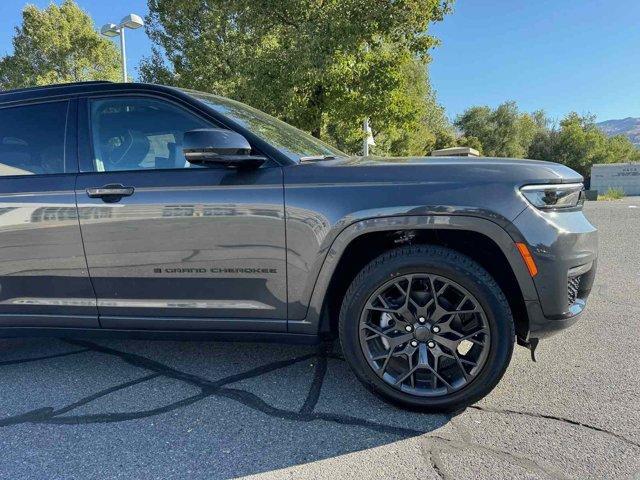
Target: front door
x=172, y=246
x=43, y=273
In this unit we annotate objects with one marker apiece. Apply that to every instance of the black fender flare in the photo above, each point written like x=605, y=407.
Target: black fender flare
x=503, y=239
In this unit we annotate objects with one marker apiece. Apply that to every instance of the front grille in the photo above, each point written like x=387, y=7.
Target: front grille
x=573, y=285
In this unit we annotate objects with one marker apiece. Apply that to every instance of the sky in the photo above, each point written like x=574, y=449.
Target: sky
x=556, y=55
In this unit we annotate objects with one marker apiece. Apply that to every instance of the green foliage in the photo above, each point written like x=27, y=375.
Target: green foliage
x=470, y=141
x=321, y=65
x=503, y=132
x=579, y=143
x=55, y=45
x=612, y=194
x=576, y=142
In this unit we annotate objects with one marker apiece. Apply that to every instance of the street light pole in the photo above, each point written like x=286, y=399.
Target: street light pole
x=123, y=54
x=131, y=21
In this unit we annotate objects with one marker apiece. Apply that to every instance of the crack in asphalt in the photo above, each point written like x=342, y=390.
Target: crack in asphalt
x=434, y=446
x=46, y=357
x=318, y=380
x=443, y=444
x=208, y=388
x=438, y=445
x=436, y=463
x=556, y=418
x=103, y=393
x=544, y=416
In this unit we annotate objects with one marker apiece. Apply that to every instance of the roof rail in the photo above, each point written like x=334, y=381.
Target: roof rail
x=56, y=85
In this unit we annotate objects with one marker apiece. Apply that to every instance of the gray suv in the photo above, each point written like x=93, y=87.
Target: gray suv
x=148, y=211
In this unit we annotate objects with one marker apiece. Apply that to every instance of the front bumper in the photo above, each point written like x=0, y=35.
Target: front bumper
x=564, y=246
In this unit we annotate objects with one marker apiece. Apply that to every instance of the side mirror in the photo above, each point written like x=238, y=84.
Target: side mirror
x=215, y=146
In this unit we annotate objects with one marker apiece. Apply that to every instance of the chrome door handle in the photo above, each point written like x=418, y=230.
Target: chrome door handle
x=110, y=191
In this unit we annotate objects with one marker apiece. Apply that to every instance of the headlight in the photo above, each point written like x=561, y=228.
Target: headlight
x=554, y=197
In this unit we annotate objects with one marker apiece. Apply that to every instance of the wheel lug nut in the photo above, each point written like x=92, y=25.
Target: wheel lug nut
x=436, y=329
x=408, y=328
x=422, y=319
x=414, y=343
x=431, y=344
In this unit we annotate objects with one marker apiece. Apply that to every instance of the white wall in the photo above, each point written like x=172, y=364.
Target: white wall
x=616, y=175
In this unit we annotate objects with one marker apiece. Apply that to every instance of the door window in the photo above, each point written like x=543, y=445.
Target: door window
x=139, y=134
x=32, y=139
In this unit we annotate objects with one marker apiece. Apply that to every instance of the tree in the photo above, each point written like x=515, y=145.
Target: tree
x=576, y=142
x=471, y=141
x=503, y=132
x=579, y=143
x=322, y=65
x=56, y=45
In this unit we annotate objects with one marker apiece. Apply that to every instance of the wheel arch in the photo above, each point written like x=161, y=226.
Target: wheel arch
x=482, y=240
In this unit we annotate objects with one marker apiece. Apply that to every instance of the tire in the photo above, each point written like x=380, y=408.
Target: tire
x=433, y=277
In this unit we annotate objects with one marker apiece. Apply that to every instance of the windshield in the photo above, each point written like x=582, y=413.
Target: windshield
x=292, y=142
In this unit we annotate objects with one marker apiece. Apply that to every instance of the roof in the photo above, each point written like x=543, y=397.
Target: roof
x=66, y=89
x=53, y=85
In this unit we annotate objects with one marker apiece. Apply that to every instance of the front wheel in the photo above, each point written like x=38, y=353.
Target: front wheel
x=427, y=328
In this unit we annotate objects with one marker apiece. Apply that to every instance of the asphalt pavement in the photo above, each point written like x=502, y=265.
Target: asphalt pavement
x=78, y=409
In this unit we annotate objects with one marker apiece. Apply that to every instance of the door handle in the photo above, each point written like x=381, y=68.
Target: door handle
x=111, y=191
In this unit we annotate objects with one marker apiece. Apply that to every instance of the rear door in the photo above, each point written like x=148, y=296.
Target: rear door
x=43, y=274
x=169, y=245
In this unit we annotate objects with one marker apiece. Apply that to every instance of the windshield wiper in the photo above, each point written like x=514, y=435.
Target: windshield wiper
x=317, y=158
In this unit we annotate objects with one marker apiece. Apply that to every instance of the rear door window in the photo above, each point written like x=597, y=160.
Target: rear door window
x=32, y=139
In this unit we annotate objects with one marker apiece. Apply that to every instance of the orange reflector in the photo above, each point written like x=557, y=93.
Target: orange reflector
x=528, y=259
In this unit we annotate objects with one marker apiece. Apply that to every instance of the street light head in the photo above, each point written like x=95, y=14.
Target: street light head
x=110, y=30
x=132, y=21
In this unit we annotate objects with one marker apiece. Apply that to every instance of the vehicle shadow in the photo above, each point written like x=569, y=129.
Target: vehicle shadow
x=226, y=409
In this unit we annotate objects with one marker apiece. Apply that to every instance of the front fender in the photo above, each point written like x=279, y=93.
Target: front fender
x=311, y=323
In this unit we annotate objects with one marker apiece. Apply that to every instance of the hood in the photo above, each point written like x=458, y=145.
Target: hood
x=519, y=171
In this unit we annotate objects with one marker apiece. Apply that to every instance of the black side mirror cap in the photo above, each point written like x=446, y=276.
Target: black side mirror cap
x=216, y=146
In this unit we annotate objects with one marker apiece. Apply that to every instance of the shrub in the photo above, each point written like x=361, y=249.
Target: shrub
x=612, y=194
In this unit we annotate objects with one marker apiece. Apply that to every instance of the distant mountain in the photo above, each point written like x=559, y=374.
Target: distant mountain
x=629, y=127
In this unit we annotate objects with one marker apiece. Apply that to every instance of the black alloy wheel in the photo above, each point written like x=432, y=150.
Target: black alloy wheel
x=427, y=328
x=424, y=334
